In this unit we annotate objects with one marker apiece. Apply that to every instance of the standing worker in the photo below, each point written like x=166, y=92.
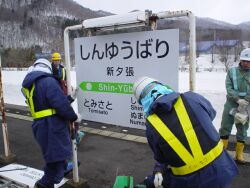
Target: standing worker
x=59, y=70
x=60, y=74
x=237, y=105
x=52, y=114
x=186, y=146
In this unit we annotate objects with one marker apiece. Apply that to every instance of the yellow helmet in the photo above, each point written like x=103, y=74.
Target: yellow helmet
x=56, y=56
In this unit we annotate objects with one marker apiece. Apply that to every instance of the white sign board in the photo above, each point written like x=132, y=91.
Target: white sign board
x=24, y=175
x=107, y=66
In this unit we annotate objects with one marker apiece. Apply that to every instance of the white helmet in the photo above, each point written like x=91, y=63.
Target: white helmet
x=245, y=54
x=140, y=84
x=44, y=62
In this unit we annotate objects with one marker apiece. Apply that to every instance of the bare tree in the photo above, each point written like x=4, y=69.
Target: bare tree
x=237, y=50
x=224, y=53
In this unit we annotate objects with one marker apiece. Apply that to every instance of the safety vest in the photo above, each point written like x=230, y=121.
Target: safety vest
x=62, y=73
x=63, y=82
x=235, y=83
x=29, y=101
x=196, y=159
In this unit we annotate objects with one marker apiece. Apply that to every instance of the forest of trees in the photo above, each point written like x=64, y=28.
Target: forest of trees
x=33, y=26
x=21, y=57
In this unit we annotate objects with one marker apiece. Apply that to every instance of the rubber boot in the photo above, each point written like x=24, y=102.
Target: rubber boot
x=69, y=167
x=239, y=153
x=225, y=143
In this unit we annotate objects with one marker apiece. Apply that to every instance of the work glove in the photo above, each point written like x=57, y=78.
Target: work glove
x=74, y=93
x=79, y=118
x=242, y=102
x=79, y=136
x=241, y=118
x=158, y=180
x=233, y=111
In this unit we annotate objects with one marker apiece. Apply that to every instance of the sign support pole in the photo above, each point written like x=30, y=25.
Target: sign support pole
x=76, y=181
x=8, y=157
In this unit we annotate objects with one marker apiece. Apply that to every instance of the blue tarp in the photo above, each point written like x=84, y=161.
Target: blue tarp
x=204, y=46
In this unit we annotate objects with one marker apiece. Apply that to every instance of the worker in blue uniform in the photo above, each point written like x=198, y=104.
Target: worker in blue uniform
x=186, y=146
x=52, y=114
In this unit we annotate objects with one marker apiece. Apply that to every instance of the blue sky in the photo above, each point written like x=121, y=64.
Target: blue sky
x=231, y=11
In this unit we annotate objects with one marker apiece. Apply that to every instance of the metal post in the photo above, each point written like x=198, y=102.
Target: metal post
x=68, y=68
x=8, y=157
x=192, y=38
x=67, y=53
x=192, y=51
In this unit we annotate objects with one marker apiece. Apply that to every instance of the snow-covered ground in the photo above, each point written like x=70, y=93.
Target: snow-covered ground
x=209, y=84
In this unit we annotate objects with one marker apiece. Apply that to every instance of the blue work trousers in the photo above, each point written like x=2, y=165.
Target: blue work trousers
x=53, y=174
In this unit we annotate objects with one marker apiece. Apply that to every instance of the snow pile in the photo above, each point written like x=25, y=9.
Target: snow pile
x=209, y=84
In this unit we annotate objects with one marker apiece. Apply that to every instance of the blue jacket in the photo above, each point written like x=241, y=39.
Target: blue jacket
x=201, y=114
x=51, y=132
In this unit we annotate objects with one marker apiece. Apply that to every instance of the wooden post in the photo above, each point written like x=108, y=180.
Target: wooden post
x=8, y=157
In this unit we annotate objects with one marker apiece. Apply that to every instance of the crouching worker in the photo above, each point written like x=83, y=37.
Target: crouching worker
x=186, y=146
x=52, y=113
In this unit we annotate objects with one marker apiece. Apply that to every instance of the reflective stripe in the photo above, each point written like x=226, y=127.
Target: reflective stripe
x=234, y=79
x=235, y=83
x=63, y=73
x=199, y=163
x=44, y=113
x=242, y=94
x=188, y=129
x=195, y=160
x=29, y=102
x=165, y=132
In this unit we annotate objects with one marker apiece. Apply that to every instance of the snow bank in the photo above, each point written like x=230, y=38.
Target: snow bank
x=209, y=84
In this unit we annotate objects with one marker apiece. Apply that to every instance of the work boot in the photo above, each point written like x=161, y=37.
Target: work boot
x=239, y=153
x=39, y=185
x=225, y=143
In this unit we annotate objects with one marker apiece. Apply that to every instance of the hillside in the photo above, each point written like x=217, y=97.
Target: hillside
x=29, y=23
x=208, y=29
x=40, y=24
